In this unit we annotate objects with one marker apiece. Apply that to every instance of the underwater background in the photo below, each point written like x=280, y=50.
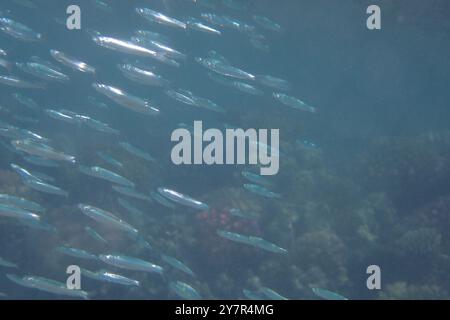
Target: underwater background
x=363, y=180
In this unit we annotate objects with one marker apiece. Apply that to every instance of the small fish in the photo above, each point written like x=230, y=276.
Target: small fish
x=22, y=172
x=126, y=100
x=71, y=62
x=182, y=96
x=194, y=24
x=7, y=264
x=252, y=241
x=105, y=174
x=20, y=203
x=22, y=134
x=184, y=291
x=152, y=36
x=182, y=199
x=76, y=253
x=224, y=69
x=107, y=276
x=293, y=102
x=41, y=186
x=247, y=88
x=130, y=192
x=61, y=116
x=130, y=263
x=47, y=285
x=328, y=295
x=17, y=213
x=141, y=76
x=177, y=264
x=19, y=31
x=158, y=17
x=161, y=48
x=41, y=150
x=16, y=82
x=43, y=72
x=124, y=46
x=106, y=218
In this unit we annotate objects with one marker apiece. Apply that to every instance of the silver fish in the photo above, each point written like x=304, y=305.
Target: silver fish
x=14, y=81
x=106, y=218
x=177, y=264
x=224, y=69
x=17, y=213
x=60, y=115
x=44, y=151
x=194, y=24
x=247, y=88
x=18, y=30
x=328, y=295
x=130, y=192
x=158, y=17
x=126, y=100
x=20, y=203
x=43, y=72
x=182, y=199
x=7, y=264
x=41, y=186
x=184, y=291
x=47, y=285
x=141, y=76
x=293, y=102
x=124, y=46
x=71, y=62
x=107, y=276
x=130, y=263
x=252, y=241
x=102, y=173
x=76, y=253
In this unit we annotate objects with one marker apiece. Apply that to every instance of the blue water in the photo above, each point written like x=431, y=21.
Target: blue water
x=373, y=189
